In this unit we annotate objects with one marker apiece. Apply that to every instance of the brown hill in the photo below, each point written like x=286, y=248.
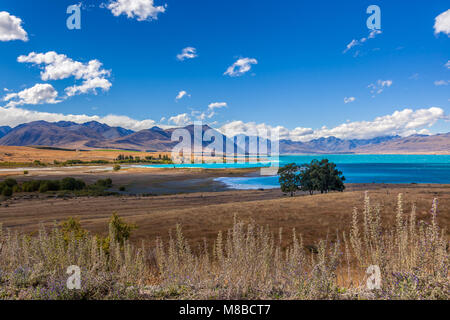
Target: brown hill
x=60, y=134
x=416, y=144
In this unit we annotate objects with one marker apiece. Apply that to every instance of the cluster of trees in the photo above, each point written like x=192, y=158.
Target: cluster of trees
x=10, y=186
x=7, y=186
x=137, y=159
x=75, y=162
x=316, y=176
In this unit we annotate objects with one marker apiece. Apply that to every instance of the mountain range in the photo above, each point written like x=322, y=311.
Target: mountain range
x=95, y=135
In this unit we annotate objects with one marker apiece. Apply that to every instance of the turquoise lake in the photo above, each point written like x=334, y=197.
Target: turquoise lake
x=356, y=169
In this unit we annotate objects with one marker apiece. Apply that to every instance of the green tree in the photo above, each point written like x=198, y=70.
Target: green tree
x=7, y=191
x=72, y=184
x=289, y=178
x=321, y=176
x=120, y=229
x=309, y=179
x=10, y=182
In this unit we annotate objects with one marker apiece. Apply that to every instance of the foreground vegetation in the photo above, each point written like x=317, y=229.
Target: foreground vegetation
x=246, y=262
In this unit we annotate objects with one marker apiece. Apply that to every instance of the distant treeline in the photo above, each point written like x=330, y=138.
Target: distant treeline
x=10, y=186
x=147, y=159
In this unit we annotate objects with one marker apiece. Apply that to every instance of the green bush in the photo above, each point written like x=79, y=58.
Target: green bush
x=77, y=186
x=38, y=163
x=72, y=184
x=72, y=162
x=120, y=229
x=7, y=191
x=72, y=227
x=10, y=182
x=104, y=183
x=31, y=186
x=117, y=167
x=49, y=185
x=43, y=187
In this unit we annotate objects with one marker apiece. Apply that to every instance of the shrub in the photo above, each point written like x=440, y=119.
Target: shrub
x=72, y=162
x=25, y=172
x=43, y=187
x=122, y=188
x=7, y=191
x=49, y=185
x=117, y=167
x=10, y=182
x=72, y=184
x=104, y=183
x=31, y=186
x=120, y=229
x=72, y=227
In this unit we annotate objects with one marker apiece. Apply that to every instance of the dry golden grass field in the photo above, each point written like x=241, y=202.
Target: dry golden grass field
x=29, y=154
x=203, y=215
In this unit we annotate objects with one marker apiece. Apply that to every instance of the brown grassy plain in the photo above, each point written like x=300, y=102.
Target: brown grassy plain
x=203, y=215
x=30, y=154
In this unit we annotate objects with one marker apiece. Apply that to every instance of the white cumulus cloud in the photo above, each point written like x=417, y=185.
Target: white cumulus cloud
x=140, y=9
x=442, y=23
x=240, y=67
x=180, y=120
x=89, y=85
x=14, y=116
x=187, y=53
x=11, y=28
x=38, y=94
x=217, y=105
x=59, y=66
x=404, y=123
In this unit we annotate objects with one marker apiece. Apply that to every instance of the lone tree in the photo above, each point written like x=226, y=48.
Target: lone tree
x=289, y=178
x=321, y=176
x=316, y=176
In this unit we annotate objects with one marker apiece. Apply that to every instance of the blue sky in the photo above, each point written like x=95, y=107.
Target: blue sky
x=301, y=76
